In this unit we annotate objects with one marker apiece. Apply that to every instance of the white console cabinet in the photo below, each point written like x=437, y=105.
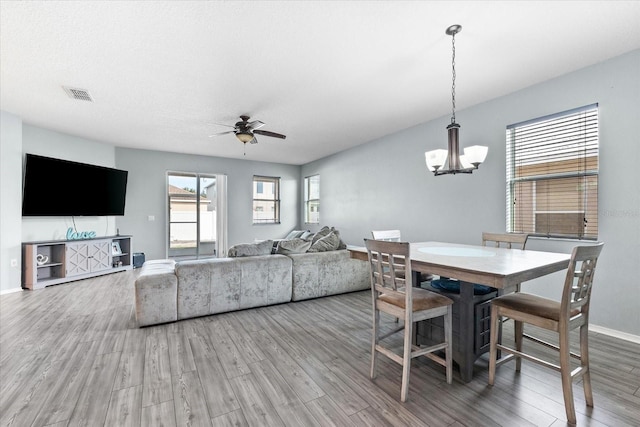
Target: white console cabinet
x=68, y=260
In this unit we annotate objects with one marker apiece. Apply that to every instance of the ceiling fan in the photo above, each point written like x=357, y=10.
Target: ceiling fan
x=245, y=130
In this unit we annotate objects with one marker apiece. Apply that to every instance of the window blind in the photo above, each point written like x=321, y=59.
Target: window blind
x=552, y=175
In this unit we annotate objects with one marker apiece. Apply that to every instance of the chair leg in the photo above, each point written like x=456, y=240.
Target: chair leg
x=448, y=353
x=565, y=373
x=584, y=360
x=518, y=332
x=374, y=341
x=406, y=360
x=493, y=342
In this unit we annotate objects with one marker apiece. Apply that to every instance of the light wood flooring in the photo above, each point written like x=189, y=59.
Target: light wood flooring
x=72, y=355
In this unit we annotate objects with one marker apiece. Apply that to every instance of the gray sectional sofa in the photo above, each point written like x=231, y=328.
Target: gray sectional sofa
x=166, y=291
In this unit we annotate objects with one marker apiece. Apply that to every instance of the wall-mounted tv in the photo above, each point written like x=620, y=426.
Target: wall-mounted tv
x=55, y=187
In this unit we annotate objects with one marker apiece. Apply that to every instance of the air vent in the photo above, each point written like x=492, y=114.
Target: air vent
x=75, y=93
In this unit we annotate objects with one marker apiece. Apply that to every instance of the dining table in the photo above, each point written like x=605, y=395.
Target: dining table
x=499, y=268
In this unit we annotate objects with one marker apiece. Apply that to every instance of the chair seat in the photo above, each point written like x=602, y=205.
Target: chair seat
x=531, y=304
x=421, y=299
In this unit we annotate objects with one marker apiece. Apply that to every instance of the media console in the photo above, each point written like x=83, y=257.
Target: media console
x=63, y=261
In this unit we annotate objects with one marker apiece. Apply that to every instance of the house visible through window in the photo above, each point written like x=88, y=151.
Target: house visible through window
x=312, y=199
x=266, y=200
x=193, y=216
x=552, y=175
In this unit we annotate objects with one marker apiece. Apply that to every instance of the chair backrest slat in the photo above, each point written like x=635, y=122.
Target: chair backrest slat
x=388, y=235
x=579, y=281
x=390, y=267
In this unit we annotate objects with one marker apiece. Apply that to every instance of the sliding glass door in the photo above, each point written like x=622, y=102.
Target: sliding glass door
x=195, y=217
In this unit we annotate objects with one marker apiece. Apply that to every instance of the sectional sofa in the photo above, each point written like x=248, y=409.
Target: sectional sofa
x=166, y=291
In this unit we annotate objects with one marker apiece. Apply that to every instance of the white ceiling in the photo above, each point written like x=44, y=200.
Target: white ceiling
x=328, y=74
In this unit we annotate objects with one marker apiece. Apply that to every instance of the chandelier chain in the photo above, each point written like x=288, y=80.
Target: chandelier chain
x=453, y=80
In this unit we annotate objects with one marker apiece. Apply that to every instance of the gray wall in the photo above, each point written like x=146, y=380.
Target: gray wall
x=10, y=201
x=381, y=184
x=146, y=195
x=385, y=183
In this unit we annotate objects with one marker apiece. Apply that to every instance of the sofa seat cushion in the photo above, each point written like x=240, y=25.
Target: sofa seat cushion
x=226, y=284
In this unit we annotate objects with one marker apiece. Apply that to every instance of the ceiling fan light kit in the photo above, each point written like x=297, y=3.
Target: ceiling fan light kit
x=244, y=136
x=474, y=155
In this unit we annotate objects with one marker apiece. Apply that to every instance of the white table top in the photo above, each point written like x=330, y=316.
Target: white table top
x=496, y=267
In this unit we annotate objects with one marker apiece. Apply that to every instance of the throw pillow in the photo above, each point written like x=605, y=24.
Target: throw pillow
x=307, y=235
x=320, y=234
x=293, y=234
x=330, y=242
x=251, y=249
x=342, y=245
x=293, y=246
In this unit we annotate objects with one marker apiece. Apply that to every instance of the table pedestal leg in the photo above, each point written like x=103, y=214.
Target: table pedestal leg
x=467, y=336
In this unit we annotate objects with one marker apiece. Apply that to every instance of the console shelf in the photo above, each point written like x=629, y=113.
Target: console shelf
x=68, y=260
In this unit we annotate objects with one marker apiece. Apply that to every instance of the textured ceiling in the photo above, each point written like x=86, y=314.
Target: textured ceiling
x=328, y=74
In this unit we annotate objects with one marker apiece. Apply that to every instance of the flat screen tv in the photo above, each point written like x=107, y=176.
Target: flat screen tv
x=55, y=187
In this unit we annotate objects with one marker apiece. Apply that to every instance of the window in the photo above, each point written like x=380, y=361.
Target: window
x=266, y=200
x=194, y=204
x=552, y=175
x=312, y=199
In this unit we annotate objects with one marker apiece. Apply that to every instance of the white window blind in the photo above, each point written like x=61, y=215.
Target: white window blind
x=552, y=175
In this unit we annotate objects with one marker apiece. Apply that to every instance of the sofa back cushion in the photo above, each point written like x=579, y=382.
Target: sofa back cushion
x=251, y=249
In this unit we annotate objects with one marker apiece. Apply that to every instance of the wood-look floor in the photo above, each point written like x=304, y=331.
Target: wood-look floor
x=72, y=355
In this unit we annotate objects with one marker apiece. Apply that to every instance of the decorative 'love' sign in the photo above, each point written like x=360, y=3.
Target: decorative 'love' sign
x=74, y=235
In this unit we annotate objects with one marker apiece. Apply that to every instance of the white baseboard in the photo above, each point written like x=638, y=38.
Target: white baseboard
x=616, y=334
x=10, y=291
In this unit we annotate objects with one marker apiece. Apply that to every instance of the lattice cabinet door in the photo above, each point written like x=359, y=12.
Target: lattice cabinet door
x=77, y=260
x=100, y=256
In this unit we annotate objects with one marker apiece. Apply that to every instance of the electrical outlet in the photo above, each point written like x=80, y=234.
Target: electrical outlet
x=151, y=218
x=14, y=262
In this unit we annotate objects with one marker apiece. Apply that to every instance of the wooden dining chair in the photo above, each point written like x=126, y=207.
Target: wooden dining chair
x=394, y=294
x=561, y=317
x=499, y=240
x=395, y=236
x=506, y=240
x=386, y=235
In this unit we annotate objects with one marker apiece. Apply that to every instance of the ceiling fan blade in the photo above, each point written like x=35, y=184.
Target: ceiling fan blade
x=253, y=141
x=257, y=124
x=222, y=124
x=271, y=134
x=221, y=133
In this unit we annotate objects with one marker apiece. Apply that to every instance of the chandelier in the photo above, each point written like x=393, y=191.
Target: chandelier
x=473, y=155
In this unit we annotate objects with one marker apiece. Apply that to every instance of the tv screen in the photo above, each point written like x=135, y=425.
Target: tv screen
x=55, y=187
